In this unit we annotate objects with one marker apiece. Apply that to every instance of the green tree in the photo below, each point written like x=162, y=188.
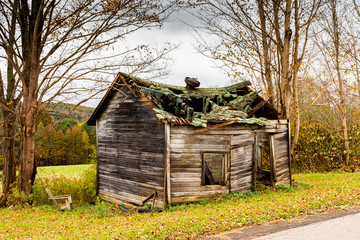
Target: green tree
x=91, y=131
x=65, y=124
x=76, y=148
x=45, y=118
x=50, y=150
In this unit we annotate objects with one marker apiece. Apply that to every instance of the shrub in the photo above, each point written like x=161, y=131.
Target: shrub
x=321, y=149
x=19, y=199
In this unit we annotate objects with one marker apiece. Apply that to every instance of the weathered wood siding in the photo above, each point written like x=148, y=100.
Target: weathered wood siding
x=185, y=162
x=131, y=143
x=238, y=141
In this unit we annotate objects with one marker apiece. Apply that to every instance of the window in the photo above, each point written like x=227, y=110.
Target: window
x=214, y=168
x=264, y=158
x=263, y=151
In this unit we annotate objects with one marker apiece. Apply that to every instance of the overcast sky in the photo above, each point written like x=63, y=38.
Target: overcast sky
x=187, y=61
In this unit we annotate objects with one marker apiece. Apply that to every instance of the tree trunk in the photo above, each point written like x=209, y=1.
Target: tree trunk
x=346, y=140
x=8, y=152
x=266, y=48
x=31, y=24
x=296, y=68
x=357, y=72
x=27, y=167
x=296, y=112
x=9, y=114
x=283, y=46
x=27, y=151
x=285, y=64
x=342, y=105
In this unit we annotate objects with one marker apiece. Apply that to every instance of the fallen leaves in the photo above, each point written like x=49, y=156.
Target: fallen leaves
x=312, y=193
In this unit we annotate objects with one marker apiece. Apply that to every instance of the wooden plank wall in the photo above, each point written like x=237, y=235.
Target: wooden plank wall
x=185, y=162
x=131, y=143
x=185, y=159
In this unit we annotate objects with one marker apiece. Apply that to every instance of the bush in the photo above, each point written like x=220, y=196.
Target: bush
x=16, y=198
x=321, y=149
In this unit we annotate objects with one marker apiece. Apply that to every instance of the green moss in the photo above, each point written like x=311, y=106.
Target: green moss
x=163, y=115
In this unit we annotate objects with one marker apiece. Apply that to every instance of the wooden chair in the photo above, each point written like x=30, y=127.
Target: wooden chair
x=66, y=198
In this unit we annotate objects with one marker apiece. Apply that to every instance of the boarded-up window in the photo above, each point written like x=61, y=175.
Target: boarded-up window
x=214, y=168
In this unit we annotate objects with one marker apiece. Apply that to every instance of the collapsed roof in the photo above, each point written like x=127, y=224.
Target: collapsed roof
x=198, y=107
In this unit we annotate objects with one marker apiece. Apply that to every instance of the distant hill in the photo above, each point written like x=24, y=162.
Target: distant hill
x=80, y=113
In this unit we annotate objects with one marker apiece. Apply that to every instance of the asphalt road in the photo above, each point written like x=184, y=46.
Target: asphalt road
x=343, y=228
x=333, y=225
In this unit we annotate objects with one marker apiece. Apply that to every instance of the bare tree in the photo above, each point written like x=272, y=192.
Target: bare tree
x=60, y=45
x=9, y=101
x=335, y=51
x=256, y=36
x=354, y=36
x=300, y=43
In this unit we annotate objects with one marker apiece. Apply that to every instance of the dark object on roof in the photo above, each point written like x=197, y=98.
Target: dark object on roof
x=191, y=83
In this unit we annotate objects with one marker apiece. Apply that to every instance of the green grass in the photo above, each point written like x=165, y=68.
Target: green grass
x=311, y=194
x=54, y=171
x=67, y=171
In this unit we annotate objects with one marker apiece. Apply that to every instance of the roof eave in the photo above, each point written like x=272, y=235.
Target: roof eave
x=92, y=120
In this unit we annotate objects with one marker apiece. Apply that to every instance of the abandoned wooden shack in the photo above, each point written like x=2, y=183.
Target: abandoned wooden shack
x=184, y=143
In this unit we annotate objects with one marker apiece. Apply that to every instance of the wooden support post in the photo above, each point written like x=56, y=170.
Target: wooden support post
x=167, y=183
x=259, y=158
x=230, y=159
x=272, y=160
x=97, y=156
x=255, y=162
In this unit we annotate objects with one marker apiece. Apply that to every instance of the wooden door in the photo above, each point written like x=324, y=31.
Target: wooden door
x=279, y=151
x=241, y=158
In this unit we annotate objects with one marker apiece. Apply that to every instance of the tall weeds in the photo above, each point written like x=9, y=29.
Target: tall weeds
x=81, y=188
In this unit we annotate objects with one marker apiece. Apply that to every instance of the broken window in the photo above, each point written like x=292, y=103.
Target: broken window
x=214, y=168
x=263, y=151
x=264, y=159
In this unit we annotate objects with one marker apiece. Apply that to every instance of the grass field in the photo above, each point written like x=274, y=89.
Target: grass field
x=312, y=193
x=67, y=171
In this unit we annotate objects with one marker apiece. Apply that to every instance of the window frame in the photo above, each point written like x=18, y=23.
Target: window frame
x=225, y=168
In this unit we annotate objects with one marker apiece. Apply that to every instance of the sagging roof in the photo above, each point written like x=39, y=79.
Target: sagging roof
x=200, y=107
